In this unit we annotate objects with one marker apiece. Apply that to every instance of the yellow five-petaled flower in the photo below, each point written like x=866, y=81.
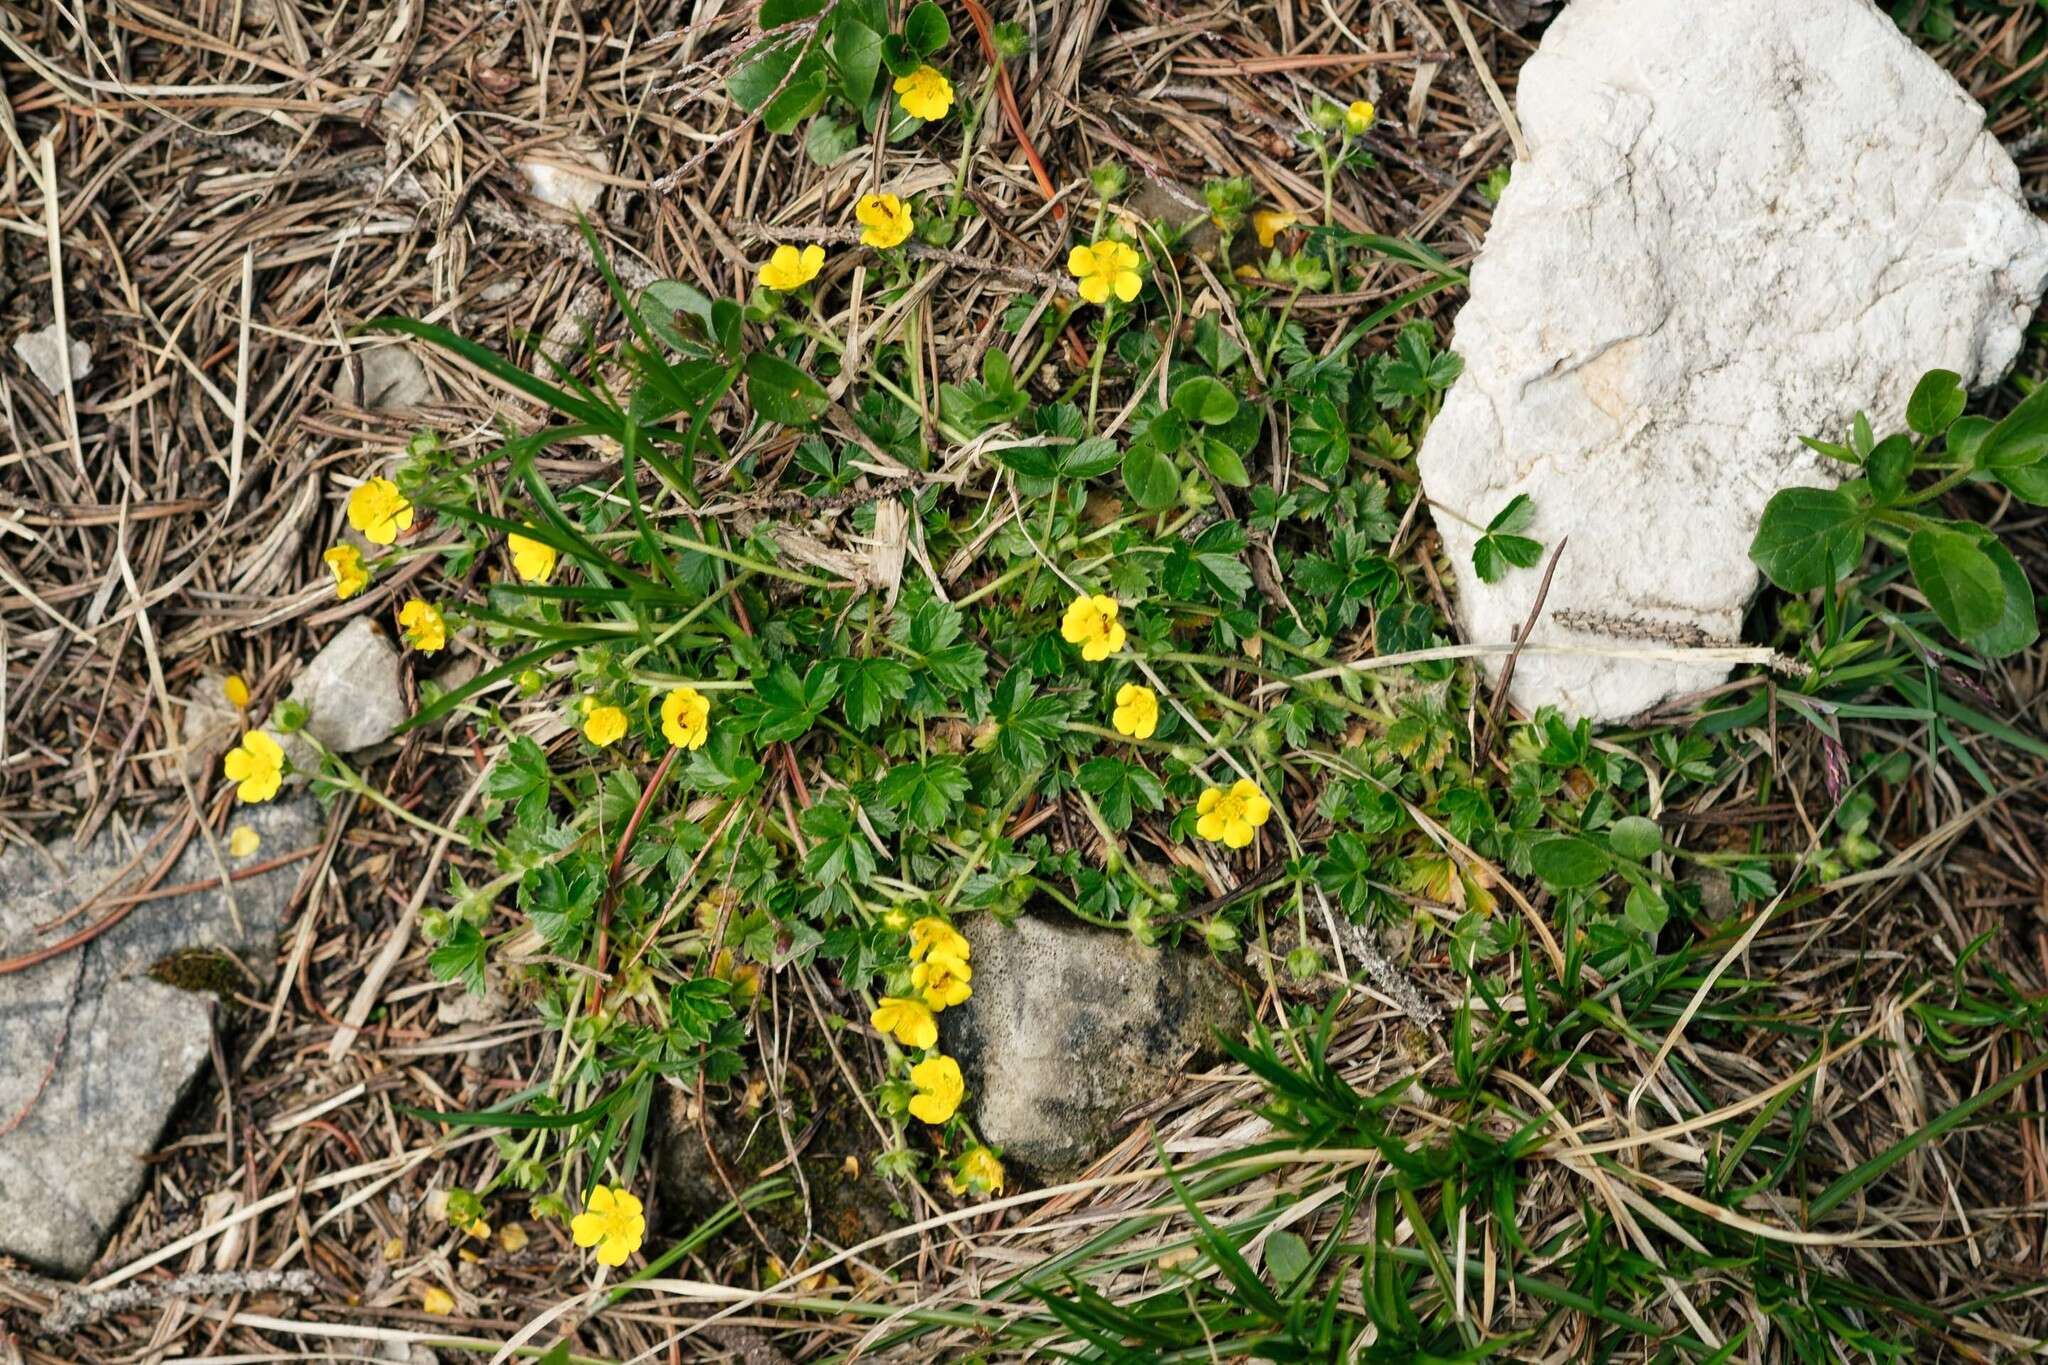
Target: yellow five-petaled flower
x=788, y=268
x=885, y=220
x=350, y=574
x=941, y=978
x=612, y=1222
x=932, y=934
x=256, y=765
x=1091, y=623
x=981, y=1170
x=940, y=1088
x=604, y=725
x=426, y=630
x=378, y=510
x=910, y=1020
x=1359, y=117
x=925, y=93
x=686, y=718
x=1106, y=267
x=1229, y=815
x=532, y=560
x=1137, y=711
x=1268, y=224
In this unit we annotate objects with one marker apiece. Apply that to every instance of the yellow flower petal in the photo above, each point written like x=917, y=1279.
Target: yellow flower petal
x=605, y=725
x=236, y=690
x=532, y=560
x=885, y=220
x=379, y=511
x=1359, y=116
x=940, y=1088
x=925, y=93
x=686, y=718
x=425, y=628
x=243, y=841
x=436, y=1300
x=350, y=575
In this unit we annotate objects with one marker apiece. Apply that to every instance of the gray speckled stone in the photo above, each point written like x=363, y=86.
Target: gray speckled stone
x=1069, y=1027
x=351, y=691
x=134, y=1046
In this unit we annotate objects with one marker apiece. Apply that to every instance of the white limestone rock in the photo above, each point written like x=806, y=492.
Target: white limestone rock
x=353, y=694
x=99, y=1044
x=1740, y=221
x=41, y=352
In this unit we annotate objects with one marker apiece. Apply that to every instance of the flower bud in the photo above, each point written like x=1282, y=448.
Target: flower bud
x=1110, y=179
x=1303, y=963
x=290, y=716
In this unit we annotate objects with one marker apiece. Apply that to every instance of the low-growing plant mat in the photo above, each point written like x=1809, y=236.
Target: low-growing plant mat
x=1715, y=1038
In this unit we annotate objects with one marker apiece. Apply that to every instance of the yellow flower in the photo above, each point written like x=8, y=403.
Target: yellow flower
x=531, y=560
x=1231, y=815
x=942, y=979
x=480, y=1230
x=1091, y=623
x=686, y=717
x=378, y=510
x=257, y=765
x=1270, y=223
x=604, y=725
x=426, y=630
x=436, y=1300
x=885, y=220
x=612, y=1222
x=932, y=934
x=1359, y=117
x=908, y=1019
x=236, y=690
x=243, y=841
x=1137, y=711
x=940, y=1088
x=1106, y=266
x=925, y=93
x=350, y=576
x=981, y=1170
x=789, y=268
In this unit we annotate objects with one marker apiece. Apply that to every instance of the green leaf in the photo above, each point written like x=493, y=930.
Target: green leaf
x=2018, y=624
x=898, y=56
x=1087, y=459
x=1026, y=723
x=925, y=793
x=1151, y=477
x=1223, y=462
x=720, y=766
x=1645, y=910
x=839, y=850
x=1118, y=787
x=867, y=688
x=760, y=71
x=1568, y=861
x=857, y=52
x=460, y=958
x=1287, y=1257
x=1635, y=837
x=782, y=706
x=827, y=141
x=1961, y=581
x=925, y=29
x=2020, y=439
x=1887, y=468
x=1499, y=549
x=798, y=101
x=776, y=13
x=780, y=392
x=1808, y=538
x=1205, y=400
x=1936, y=402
